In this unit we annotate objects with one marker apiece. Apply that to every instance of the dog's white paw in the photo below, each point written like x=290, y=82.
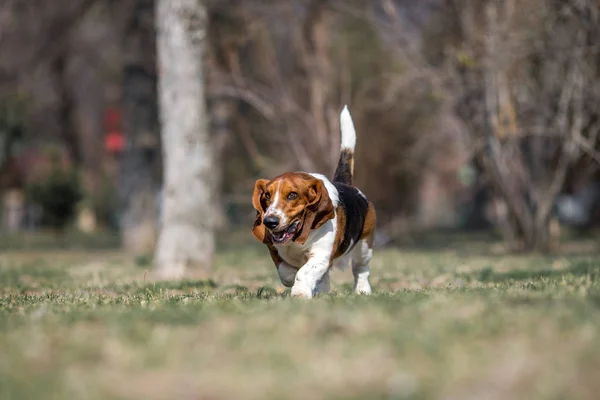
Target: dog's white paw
x=301, y=291
x=363, y=288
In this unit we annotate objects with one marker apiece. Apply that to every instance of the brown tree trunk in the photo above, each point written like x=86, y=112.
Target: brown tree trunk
x=316, y=43
x=222, y=109
x=190, y=170
x=139, y=175
x=66, y=106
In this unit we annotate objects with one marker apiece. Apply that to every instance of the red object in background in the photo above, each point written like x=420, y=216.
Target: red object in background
x=114, y=140
x=112, y=118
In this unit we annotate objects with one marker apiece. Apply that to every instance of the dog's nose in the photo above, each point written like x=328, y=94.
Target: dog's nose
x=271, y=222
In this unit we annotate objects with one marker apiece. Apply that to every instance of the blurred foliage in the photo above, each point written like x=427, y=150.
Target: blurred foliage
x=281, y=71
x=12, y=123
x=103, y=202
x=57, y=192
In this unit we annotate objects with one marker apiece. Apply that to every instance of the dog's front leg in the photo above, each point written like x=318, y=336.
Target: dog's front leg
x=309, y=275
x=287, y=274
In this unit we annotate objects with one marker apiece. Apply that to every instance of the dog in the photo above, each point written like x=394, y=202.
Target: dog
x=310, y=223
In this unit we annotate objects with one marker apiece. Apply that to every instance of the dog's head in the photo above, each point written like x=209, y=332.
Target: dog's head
x=289, y=207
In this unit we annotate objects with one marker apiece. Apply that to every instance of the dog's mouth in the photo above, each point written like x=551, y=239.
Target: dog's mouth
x=285, y=235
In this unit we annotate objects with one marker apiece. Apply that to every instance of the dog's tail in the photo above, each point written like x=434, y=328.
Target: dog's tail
x=345, y=167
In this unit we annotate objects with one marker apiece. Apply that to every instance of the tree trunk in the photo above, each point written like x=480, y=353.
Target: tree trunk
x=66, y=107
x=188, y=215
x=139, y=175
x=316, y=43
x=222, y=110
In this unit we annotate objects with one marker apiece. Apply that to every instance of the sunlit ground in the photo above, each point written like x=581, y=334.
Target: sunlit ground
x=454, y=318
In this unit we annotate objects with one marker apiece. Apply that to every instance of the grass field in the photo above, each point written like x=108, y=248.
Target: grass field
x=460, y=320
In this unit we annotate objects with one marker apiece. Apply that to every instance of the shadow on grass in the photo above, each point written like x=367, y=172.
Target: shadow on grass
x=31, y=275
x=191, y=286
x=489, y=243
x=72, y=240
x=583, y=268
x=184, y=286
x=438, y=239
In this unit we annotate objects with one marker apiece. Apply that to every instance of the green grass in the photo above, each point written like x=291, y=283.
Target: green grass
x=454, y=319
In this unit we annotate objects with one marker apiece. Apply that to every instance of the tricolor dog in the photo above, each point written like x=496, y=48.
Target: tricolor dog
x=310, y=223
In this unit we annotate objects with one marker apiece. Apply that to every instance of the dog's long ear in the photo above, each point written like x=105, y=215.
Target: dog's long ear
x=258, y=230
x=318, y=210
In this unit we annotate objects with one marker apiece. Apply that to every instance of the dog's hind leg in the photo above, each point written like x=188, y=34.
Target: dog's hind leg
x=361, y=257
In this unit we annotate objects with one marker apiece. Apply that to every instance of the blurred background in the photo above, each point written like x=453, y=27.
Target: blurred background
x=471, y=114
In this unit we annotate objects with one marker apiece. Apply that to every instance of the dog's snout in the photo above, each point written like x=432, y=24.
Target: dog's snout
x=271, y=221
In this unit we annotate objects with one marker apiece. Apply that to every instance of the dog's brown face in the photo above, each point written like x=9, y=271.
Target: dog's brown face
x=289, y=206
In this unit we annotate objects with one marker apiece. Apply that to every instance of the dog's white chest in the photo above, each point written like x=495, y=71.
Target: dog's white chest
x=295, y=256
x=319, y=245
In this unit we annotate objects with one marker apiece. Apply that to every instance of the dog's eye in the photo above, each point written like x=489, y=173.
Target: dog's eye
x=268, y=196
x=292, y=196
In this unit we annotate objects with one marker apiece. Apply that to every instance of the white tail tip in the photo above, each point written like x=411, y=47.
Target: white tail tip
x=348, y=131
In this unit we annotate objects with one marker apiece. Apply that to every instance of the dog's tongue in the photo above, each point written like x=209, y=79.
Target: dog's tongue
x=282, y=236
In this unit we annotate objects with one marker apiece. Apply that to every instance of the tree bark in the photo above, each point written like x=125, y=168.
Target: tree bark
x=316, y=43
x=186, y=238
x=140, y=167
x=66, y=107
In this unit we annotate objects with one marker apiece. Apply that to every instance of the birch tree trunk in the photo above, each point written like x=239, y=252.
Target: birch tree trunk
x=186, y=238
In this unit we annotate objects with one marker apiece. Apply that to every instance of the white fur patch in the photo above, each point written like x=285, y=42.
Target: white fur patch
x=361, y=194
x=331, y=190
x=348, y=131
x=274, y=209
x=318, y=247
